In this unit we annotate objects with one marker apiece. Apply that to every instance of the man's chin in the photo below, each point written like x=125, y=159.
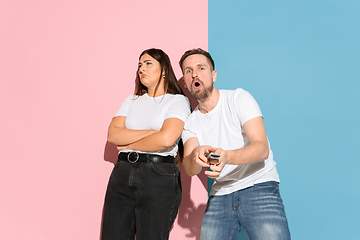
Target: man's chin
x=194, y=94
x=199, y=95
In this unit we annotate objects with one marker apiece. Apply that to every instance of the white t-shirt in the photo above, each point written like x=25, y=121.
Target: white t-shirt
x=223, y=127
x=145, y=112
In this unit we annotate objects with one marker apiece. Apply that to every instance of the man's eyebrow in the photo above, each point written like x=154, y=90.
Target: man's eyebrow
x=197, y=65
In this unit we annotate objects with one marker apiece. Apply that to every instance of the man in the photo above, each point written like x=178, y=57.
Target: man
x=229, y=123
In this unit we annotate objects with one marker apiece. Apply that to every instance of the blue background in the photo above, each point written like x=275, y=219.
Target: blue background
x=301, y=62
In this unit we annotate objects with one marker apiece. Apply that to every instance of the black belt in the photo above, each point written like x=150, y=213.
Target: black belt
x=134, y=157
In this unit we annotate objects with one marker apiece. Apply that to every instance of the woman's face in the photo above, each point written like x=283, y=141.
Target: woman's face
x=149, y=71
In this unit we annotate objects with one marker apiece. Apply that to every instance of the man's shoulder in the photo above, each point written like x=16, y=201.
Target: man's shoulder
x=232, y=91
x=193, y=114
x=236, y=94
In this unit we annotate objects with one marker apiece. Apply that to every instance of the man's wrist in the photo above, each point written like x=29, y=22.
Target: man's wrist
x=229, y=155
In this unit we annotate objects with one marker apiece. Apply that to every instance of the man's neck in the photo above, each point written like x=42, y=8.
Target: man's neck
x=209, y=103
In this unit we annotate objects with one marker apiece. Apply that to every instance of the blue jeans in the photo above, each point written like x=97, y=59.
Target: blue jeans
x=141, y=199
x=259, y=210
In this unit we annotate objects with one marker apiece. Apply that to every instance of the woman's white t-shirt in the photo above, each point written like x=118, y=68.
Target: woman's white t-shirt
x=145, y=112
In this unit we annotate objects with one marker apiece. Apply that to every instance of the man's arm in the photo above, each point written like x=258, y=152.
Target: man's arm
x=257, y=150
x=119, y=135
x=160, y=140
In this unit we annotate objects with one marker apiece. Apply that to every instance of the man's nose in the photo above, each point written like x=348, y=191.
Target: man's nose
x=194, y=74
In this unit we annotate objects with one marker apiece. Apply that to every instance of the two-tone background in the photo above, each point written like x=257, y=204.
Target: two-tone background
x=66, y=66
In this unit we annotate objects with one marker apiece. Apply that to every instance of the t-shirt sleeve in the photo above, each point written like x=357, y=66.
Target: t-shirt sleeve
x=179, y=108
x=125, y=106
x=247, y=107
x=187, y=133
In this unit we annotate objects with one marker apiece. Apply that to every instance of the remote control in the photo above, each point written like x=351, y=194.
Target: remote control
x=213, y=158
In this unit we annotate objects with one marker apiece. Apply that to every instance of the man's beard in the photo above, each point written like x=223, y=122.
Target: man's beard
x=203, y=93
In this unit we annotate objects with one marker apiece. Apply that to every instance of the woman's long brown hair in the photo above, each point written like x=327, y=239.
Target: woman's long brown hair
x=171, y=84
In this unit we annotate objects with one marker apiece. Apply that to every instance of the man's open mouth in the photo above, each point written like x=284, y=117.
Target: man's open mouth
x=196, y=84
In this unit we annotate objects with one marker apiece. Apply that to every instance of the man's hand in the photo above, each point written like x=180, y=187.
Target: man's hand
x=217, y=168
x=200, y=154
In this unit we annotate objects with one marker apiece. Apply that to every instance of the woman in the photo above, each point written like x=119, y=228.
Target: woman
x=144, y=190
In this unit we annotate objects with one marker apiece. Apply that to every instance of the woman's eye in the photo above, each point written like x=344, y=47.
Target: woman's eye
x=148, y=63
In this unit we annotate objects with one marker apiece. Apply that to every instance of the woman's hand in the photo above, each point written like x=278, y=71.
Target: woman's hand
x=119, y=135
x=120, y=148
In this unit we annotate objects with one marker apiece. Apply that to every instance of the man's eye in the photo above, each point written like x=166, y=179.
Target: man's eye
x=188, y=71
x=202, y=68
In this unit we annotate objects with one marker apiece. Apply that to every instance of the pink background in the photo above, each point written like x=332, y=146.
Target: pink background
x=65, y=68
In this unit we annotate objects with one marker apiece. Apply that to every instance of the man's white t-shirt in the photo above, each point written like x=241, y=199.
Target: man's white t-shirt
x=145, y=112
x=223, y=127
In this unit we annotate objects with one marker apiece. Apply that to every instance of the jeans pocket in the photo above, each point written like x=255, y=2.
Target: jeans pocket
x=167, y=169
x=268, y=187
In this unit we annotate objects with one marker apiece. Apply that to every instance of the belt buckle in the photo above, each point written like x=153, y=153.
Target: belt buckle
x=137, y=157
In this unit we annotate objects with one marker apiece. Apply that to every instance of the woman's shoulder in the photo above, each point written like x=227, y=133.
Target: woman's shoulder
x=177, y=105
x=132, y=97
x=177, y=98
x=177, y=95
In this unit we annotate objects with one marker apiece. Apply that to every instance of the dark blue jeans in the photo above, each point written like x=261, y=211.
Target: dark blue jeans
x=141, y=199
x=259, y=210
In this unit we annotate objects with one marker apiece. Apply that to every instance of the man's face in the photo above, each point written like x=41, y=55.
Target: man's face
x=198, y=77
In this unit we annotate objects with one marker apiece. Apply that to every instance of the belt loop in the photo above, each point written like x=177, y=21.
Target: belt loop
x=137, y=157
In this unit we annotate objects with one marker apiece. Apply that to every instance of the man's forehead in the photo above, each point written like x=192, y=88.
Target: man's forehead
x=196, y=60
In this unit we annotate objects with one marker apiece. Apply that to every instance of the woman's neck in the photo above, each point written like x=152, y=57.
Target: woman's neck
x=158, y=93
